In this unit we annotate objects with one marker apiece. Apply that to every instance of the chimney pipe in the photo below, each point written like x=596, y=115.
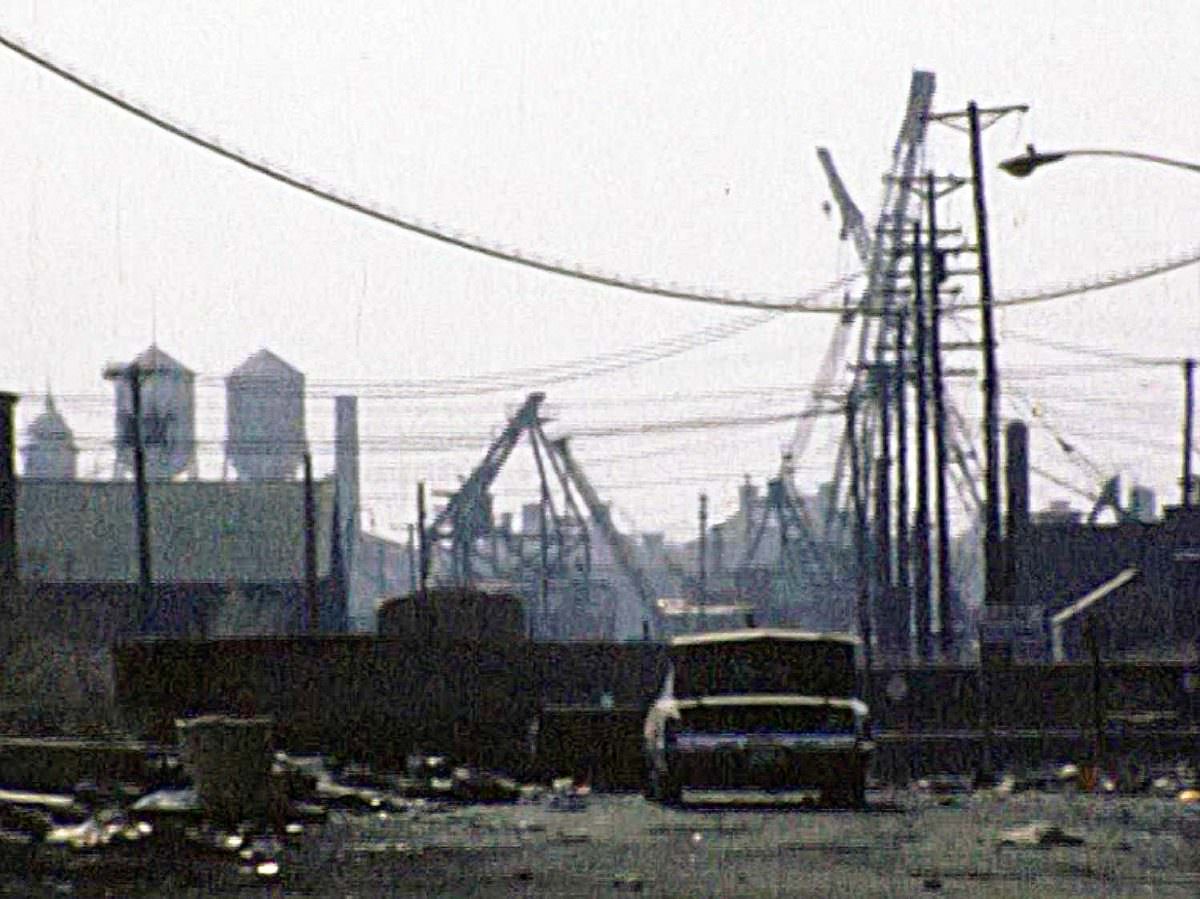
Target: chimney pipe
x=1016, y=440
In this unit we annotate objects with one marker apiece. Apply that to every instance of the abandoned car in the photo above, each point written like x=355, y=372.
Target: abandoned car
x=760, y=709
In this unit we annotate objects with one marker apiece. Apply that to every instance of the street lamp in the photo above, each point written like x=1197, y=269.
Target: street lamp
x=1024, y=166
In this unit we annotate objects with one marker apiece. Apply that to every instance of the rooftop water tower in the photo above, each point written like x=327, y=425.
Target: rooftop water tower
x=264, y=416
x=168, y=423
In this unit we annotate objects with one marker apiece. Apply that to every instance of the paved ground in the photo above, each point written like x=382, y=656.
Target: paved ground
x=906, y=845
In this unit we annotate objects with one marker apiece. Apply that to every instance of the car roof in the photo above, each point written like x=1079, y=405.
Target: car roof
x=750, y=635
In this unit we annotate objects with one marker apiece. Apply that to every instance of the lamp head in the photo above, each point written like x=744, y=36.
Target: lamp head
x=1023, y=166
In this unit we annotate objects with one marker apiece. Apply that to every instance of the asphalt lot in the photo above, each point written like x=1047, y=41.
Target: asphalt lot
x=904, y=844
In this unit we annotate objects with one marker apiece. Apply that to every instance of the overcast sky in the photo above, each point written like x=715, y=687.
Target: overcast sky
x=673, y=141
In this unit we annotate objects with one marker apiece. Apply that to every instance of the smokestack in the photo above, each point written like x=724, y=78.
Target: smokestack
x=1016, y=440
x=345, y=465
x=8, y=493
x=346, y=507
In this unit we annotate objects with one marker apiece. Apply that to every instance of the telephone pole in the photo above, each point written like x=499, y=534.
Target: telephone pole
x=903, y=593
x=996, y=595
x=1189, y=377
x=860, y=532
x=923, y=579
x=941, y=462
x=131, y=374
x=885, y=606
x=993, y=571
x=311, y=598
x=422, y=541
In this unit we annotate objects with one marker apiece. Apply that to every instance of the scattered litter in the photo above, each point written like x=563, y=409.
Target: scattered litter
x=572, y=837
x=1188, y=796
x=1039, y=834
x=105, y=827
x=567, y=796
x=630, y=883
x=1006, y=786
x=944, y=784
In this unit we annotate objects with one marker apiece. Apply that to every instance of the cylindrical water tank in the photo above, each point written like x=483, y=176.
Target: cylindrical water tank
x=264, y=416
x=168, y=416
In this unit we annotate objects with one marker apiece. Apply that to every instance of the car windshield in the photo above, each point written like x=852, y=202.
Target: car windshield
x=803, y=667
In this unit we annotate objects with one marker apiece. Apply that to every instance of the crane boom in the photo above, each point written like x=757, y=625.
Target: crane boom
x=853, y=223
x=467, y=502
x=603, y=520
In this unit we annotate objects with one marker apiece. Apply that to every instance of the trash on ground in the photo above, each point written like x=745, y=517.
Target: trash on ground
x=1039, y=834
x=630, y=883
x=568, y=795
x=944, y=784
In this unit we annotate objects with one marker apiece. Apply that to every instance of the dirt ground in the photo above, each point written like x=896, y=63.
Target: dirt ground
x=904, y=844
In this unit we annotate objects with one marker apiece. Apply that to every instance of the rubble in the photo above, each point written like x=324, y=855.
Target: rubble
x=629, y=883
x=568, y=796
x=1039, y=834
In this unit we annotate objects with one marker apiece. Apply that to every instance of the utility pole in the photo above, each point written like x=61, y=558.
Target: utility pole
x=412, y=560
x=860, y=534
x=131, y=374
x=422, y=541
x=145, y=575
x=941, y=461
x=702, y=552
x=994, y=591
x=311, y=601
x=8, y=507
x=923, y=591
x=996, y=595
x=885, y=594
x=1189, y=377
x=903, y=594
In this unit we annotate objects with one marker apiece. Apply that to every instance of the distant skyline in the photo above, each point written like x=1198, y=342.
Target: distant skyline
x=674, y=141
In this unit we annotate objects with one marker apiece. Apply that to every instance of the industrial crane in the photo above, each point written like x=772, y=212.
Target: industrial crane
x=880, y=255
x=602, y=518
x=467, y=517
x=464, y=530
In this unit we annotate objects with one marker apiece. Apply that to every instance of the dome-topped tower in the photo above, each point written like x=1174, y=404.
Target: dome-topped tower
x=50, y=453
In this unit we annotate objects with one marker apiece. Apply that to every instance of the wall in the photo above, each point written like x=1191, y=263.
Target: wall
x=378, y=699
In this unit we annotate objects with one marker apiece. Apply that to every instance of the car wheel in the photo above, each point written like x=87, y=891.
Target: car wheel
x=661, y=785
x=848, y=789
x=649, y=788
x=858, y=791
x=670, y=786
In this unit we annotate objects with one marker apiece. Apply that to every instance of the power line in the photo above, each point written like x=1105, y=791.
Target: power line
x=1101, y=352
x=804, y=302
x=1099, y=282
